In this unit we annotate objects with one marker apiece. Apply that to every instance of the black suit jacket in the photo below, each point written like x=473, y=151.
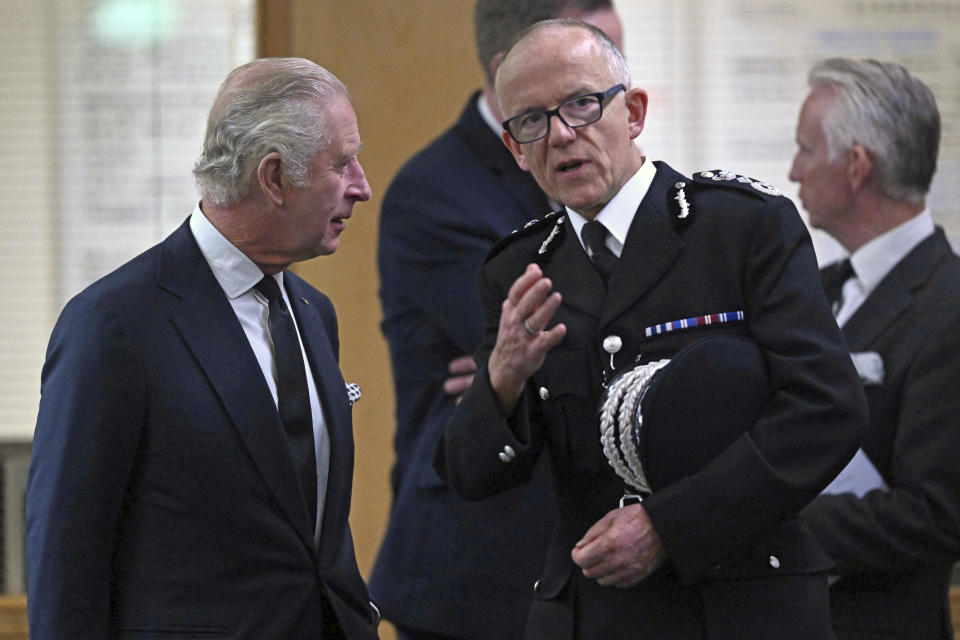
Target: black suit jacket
x=162, y=498
x=895, y=549
x=442, y=567
x=740, y=565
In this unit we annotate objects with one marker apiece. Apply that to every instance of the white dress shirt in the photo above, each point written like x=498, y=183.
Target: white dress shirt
x=871, y=264
x=238, y=276
x=874, y=260
x=617, y=215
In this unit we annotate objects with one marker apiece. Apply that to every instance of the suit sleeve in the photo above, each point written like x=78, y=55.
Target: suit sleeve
x=810, y=427
x=917, y=522
x=471, y=454
x=434, y=234
x=91, y=410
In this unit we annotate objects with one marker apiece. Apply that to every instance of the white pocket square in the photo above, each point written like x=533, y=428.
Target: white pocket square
x=353, y=393
x=869, y=366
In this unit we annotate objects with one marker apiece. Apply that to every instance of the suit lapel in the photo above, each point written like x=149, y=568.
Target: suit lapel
x=211, y=331
x=651, y=247
x=894, y=295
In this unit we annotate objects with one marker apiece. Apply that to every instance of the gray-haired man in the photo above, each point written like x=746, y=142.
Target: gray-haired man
x=867, y=138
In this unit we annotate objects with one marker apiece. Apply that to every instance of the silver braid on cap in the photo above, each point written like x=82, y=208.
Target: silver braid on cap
x=621, y=404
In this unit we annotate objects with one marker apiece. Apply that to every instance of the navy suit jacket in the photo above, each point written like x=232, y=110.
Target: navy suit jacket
x=445, y=565
x=162, y=499
x=741, y=565
x=894, y=549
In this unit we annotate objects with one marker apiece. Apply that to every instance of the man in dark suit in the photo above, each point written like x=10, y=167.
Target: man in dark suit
x=868, y=136
x=193, y=454
x=719, y=553
x=442, y=571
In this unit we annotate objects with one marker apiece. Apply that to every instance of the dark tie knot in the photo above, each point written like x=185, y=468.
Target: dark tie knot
x=269, y=288
x=595, y=236
x=604, y=260
x=845, y=271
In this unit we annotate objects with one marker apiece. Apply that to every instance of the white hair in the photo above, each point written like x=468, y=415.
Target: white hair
x=265, y=106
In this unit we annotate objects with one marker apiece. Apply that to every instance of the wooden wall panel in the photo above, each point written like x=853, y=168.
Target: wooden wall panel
x=410, y=67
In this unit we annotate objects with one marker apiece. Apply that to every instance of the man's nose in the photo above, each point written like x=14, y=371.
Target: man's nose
x=559, y=131
x=359, y=188
x=794, y=175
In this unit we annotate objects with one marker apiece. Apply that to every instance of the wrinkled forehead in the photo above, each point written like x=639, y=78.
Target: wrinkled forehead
x=548, y=66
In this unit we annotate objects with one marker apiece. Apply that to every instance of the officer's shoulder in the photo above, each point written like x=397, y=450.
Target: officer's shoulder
x=532, y=232
x=723, y=178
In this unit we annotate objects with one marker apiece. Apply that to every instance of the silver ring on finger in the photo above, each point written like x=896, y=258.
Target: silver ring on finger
x=528, y=328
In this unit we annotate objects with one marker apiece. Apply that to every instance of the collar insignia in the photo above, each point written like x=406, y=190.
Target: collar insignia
x=553, y=234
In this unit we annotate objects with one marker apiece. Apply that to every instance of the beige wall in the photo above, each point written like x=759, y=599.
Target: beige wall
x=409, y=66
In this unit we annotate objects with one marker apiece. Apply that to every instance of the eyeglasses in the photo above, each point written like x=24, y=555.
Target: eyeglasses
x=578, y=112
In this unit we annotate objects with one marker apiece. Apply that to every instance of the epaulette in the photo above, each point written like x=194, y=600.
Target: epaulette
x=729, y=178
x=553, y=218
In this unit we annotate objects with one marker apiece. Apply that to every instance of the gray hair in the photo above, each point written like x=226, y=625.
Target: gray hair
x=268, y=105
x=891, y=113
x=496, y=23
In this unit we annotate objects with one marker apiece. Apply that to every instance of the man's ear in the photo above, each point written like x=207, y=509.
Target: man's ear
x=636, y=100
x=270, y=178
x=859, y=167
x=495, y=62
x=516, y=149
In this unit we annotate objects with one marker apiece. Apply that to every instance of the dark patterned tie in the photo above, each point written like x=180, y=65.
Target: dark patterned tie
x=595, y=237
x=293, y=400
x=834, y=288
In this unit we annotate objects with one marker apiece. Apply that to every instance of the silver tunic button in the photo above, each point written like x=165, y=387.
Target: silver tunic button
x=544, y=393
x=507, y=449
x=504, y=457
x=536, y=587
x=612, y=344
x=775, y=562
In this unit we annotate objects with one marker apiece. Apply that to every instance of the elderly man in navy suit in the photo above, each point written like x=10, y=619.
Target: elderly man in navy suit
x=867, y=139
x=193, y=452
x=443, y=571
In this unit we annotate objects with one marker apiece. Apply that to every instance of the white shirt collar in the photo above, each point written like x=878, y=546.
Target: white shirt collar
x=874, y=260
x=617, y=215
x=235, y=272
x=487, y=114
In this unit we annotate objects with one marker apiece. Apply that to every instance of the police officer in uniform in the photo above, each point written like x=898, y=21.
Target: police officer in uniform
x=640, y=262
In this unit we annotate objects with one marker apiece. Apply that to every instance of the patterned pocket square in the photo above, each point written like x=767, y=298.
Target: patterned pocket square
x=353, y=393
x=869, y=366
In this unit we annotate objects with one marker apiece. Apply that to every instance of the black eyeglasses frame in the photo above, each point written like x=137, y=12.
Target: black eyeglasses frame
x=603, y=97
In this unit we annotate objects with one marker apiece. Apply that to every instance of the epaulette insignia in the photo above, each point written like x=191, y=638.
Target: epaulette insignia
x=531, y=227
x=678, y=204
x=723, y=175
